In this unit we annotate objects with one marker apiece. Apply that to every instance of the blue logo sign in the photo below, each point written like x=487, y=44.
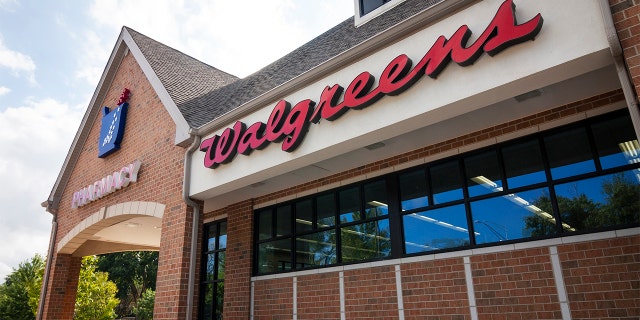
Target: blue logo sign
x=112, y=129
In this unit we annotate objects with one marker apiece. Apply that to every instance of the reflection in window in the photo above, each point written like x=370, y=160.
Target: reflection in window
x=349, y=204
x=584, y=178
x=616, y=142
x=523, y=164
x=375, y=199
x=480, y=170
x=274, y=256
x=283, y=221
x=600, y=202
x=366, y=241
x=367, y=6
x=436, y=229
x=265, y=224
x=446, y=182
x=512, y=216
x=304, y=215
x=326, y=209
x=212, y=285
x=413, y=190
x=569, y=153
x=316, y=249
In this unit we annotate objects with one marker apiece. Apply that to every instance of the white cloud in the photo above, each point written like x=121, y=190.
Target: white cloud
x=4, y=90
x=236, y=36
x=18, y=63
x=35, y=139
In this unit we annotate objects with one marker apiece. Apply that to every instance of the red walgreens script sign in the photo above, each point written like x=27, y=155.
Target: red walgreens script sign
x=289, y=125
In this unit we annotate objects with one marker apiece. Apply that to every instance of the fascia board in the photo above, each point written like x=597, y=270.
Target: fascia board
x=182, y=127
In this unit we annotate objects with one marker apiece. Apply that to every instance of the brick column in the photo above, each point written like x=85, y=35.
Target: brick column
x=173, y=263
x=237, y=280
x=62, y=287
x=626, y=16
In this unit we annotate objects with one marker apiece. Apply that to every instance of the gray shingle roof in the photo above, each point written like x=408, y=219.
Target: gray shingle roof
x=203, y=93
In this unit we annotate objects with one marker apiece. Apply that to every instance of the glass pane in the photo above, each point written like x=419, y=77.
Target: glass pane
x=436, y=229
x=211, y=235
x=413, y=190
x=222, y=239
x=375, y=199
x=483, y=172
x=569, y=153
x=523, y=164
x=600, y=202
x=317, y=249
x=221, y=260
x=211, y=265
x=207, y=308
x=616, y=142
x=274, y=256
x=349, y=205
x=304, y=216
x=326, y=210
x=446, y=182
x=513, y=216
x=264, y=224
x=365, y=241
x=367, y=6
x=219, y=299
x=283, y=221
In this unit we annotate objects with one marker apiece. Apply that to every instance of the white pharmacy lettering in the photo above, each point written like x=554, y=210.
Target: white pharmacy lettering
x=115, y=181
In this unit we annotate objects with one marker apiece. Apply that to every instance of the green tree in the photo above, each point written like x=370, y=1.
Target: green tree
x=133, y=273
x=620, y=206
x=96, y=298
x=20, y=292
x=144, y=309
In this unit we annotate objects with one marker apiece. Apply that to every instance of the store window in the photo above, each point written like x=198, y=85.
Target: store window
x=213, y=267
x=581, y=178
x=343, y=226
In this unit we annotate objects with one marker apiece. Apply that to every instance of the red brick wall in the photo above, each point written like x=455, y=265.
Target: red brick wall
x=371, y=293
x=149, y=137
x=435, y=290
x=626, y=17
x=603, y=278
x=237, y=285
x=319, y=296
x=63, y=287
x=274, y=299
x=515, y=285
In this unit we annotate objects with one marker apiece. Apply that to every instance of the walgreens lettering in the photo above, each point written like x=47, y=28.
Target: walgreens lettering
x=289, y=125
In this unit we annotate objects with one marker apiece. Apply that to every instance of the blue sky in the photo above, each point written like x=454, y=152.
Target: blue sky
x=52, y=54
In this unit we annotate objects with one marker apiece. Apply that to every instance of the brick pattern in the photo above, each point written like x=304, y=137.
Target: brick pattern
x=62, y=303
x=602, y=278
x=626, y=17
x=371, y=293
x=461, y=141
x=237, y=285
x=515, y=285
x=435, y=290
x=274, y=299
x=149, y=137
x=318, y=297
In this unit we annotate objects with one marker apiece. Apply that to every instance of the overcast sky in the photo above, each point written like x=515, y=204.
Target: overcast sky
x=52, y=54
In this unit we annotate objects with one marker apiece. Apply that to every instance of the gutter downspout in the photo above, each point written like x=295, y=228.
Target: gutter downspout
x=45, y=278
x=195, y=224
x=623, y=75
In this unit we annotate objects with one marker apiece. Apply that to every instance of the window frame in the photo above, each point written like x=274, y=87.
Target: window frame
x=396, y=214
x=205, y=252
